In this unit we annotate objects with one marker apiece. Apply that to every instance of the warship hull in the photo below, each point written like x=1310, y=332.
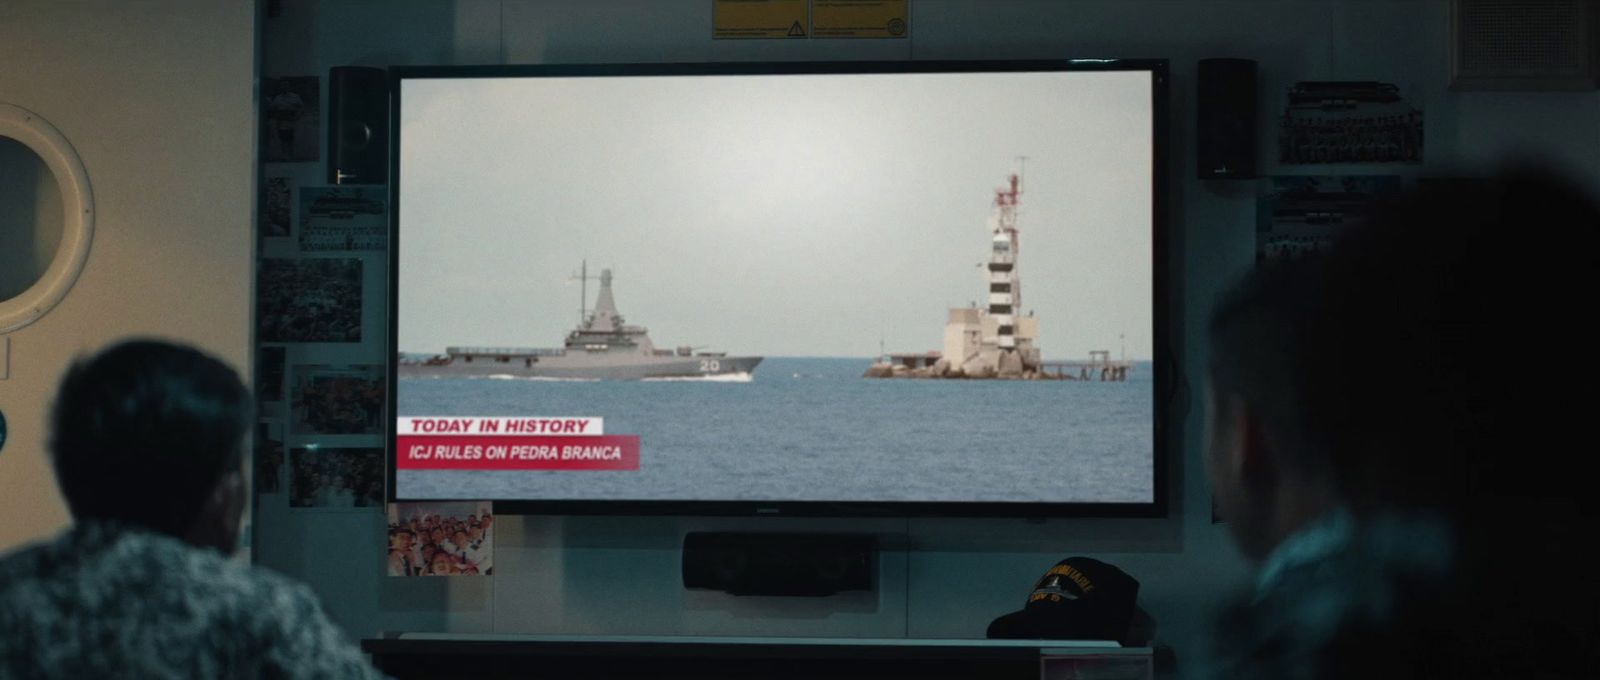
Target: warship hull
x=563, y=367
x=602, y=347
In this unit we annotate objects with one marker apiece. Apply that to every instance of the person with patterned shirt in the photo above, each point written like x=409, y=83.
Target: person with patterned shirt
x=1380, y=467
x=147, y=442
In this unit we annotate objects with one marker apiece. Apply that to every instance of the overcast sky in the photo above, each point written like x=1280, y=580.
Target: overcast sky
x=773, y=215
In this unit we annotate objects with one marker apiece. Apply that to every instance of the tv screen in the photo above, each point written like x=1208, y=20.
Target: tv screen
x=908, y=288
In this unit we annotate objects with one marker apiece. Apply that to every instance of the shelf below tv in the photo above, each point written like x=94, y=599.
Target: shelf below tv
x=429, y=655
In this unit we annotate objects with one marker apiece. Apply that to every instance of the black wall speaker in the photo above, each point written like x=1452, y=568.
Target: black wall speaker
x=1226, y=119
x=811, y=565
x=358, y=125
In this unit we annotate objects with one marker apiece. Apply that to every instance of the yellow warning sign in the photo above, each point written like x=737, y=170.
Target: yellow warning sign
x=859, y=19
x=732, y=19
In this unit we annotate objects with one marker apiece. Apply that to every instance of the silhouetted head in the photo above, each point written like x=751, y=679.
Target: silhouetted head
x=152, y=434
x=1405, y=367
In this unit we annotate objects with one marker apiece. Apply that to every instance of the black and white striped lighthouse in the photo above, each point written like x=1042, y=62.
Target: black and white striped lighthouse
x=1005, y=289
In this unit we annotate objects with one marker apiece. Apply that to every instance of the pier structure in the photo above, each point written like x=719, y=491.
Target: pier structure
x=1100, y=367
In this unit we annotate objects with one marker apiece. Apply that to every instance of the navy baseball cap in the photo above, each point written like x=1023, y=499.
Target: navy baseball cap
x=1077, y=599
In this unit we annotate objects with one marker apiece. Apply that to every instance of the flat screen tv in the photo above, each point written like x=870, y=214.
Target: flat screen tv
x=869, y=289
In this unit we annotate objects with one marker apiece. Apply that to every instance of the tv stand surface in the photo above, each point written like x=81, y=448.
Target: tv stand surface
x=430, y=655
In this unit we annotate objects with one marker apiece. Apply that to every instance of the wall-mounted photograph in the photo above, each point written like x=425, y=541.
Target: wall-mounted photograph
x=1349, y=122
x=269, y=457
x=343, y=218
x=337, y=399
x=335, y=478
x=1301, y=215
x=441, y=539
x=276, y=207
x=308, y=300
x=270, y=366
x=291, y=119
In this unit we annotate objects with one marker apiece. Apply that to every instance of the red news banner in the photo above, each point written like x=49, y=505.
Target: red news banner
x=536, y=443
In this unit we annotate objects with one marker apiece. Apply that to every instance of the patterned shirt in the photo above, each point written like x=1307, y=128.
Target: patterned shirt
x=109, y=601
x=1411, y=596
x=1347, y=598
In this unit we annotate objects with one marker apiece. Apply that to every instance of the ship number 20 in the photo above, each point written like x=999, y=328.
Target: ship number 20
x=710, y=365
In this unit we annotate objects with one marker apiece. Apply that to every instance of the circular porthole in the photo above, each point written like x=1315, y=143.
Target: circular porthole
x=46, y=217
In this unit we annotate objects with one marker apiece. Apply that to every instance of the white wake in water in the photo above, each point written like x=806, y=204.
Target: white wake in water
x=537, y=378
x=719, y=377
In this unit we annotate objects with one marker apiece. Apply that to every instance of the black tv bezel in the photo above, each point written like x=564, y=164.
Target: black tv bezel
x=1165, y=368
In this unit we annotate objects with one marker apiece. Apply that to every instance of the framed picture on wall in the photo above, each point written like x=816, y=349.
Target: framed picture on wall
x=276, y=207
x=1300, y=215
x=291, y=119
x=309, y=300
x=1349, y=122
x=340, y=479
x=337, y=399
x=269, y=458
x=454, y=538
x=346, y=218
x=269, y=373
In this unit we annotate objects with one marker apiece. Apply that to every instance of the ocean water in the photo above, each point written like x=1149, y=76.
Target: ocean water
x=812, y=429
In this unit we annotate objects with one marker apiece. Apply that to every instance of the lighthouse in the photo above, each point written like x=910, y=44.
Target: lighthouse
x=991, y=340
x=1004, y=289
x=996, y=339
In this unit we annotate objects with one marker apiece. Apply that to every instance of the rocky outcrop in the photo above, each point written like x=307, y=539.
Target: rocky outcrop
x=1010, y=364
x=977, y=368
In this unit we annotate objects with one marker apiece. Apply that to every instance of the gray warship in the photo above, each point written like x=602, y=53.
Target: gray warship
x=602, y=347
